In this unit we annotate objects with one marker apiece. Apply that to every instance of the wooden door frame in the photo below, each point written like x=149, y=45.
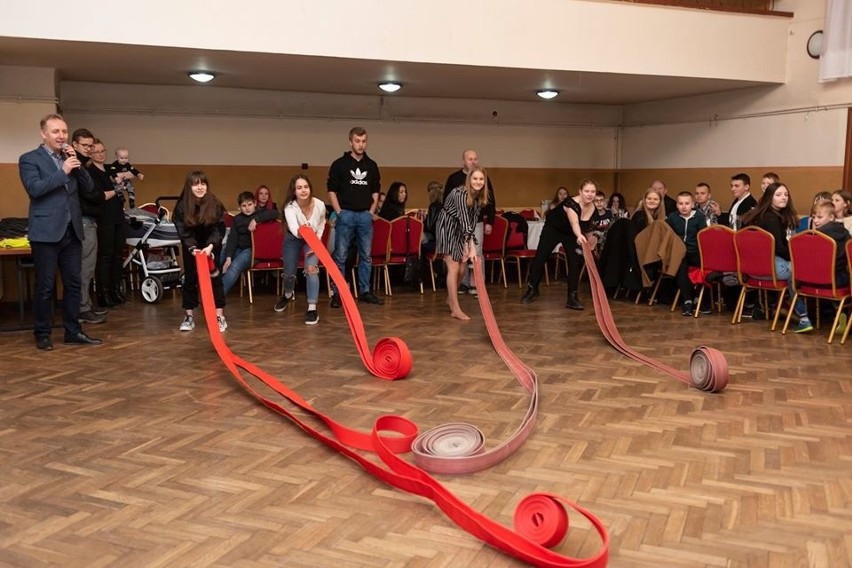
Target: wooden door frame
x=847, y=160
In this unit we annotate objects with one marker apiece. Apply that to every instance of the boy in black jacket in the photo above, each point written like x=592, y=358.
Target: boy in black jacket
x=686, y=222
x=238, y=248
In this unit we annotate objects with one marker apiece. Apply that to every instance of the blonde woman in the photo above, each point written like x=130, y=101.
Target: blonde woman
x=455, y=239
x=649, y=209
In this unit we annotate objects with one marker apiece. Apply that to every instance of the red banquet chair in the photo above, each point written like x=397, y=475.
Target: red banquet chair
x=517, y=251
x=849, y=268
x=756, y=269
x=718, y=254
x=494, y=247
x=266, y=241
x=529, y=214
x=813, y=257
x=378, y=254
x=405, y=235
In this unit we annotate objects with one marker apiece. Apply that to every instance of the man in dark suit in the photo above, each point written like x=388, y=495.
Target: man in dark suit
x=52, y=177
x=743, y=202
x=669, y=203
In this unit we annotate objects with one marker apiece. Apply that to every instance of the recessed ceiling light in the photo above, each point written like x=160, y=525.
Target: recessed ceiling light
x=548, y=94
x=201, y=76
x=390, y=86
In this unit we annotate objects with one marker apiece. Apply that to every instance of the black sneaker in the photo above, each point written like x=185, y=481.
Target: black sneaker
x=282, y=304
x=90, y=317
x=705, y=308
x=370, y=298
x=311, y=317
x=335, y=301
x=472, y=291
x=688, y=308
x=464, y=288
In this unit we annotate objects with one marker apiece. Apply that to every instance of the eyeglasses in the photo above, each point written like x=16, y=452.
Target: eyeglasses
x=86, y=146
x=97, y=151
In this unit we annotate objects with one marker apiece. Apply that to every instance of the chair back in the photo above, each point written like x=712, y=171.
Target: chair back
x=405, y=235
x=266, y=242
x=755, y=254
x=381, y=241
x=515, y=238
x=494, y=245
x=229, y=220
x=528, y=214
x=813, y=256
x=717, y=250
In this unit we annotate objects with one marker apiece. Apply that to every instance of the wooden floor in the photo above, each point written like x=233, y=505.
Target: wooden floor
x=144, y=452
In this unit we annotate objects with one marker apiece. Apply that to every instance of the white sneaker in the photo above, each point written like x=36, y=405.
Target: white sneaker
x=223, y=325
x=188, y=324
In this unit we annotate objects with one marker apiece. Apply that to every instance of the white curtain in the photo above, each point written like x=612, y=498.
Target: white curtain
x=836, y=61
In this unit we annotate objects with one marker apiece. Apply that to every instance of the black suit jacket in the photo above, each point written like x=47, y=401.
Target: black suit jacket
x=54, y=199
x=747, y=205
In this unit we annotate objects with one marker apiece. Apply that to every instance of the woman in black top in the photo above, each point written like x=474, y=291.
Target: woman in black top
x=110, y=231
x=775, y=214
x=394, y=205
x=565, y=224
x=649, y=210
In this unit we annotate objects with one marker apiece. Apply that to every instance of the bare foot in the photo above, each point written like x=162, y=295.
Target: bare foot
x=460, y=315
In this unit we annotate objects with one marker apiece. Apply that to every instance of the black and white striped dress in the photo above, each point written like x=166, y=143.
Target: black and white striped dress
x=456, y=223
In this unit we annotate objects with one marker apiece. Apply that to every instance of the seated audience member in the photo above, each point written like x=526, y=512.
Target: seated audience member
x=807, y=222
x=436, y=203
x=768, y=179
x=825, y=221
x=263, y=199
x=686, y=222
x=301, y=210
x=775, y=214
x=617, y=206
x=648, y=210
x=669, y=204
x=743, y=202
x=705, y=204
x=601, y=220
x=394, y=204
x=842, y=200
x=560, y=196
x=237, y=254
x=381, y=203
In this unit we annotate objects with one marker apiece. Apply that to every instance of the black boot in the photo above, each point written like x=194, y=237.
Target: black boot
x=530, y=294
x=574, y=302
x=118, y=294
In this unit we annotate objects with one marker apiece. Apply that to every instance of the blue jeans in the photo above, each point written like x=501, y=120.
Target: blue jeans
x=783, y=271
x=240, y=262
x=356, y=225
x=291, y=249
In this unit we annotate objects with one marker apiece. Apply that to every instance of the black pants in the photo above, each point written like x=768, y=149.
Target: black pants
x=68, y=255
x=189, y=291
x=684, y=284
x=110, y=248
x=548, y=241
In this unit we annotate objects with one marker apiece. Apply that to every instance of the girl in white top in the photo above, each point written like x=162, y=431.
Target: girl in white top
x=301, y=209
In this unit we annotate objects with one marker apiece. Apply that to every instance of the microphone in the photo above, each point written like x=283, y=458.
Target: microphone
x=69, y=152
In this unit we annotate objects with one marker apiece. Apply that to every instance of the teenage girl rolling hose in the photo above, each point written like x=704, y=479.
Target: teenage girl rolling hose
x=199, y=218
x=455, y=239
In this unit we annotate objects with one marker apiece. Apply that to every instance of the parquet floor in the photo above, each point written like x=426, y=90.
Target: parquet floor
x=144, y=452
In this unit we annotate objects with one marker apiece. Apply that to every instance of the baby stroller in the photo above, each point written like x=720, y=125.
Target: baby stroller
x=154, y=243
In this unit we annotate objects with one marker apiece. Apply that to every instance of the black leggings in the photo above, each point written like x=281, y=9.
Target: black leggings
x=548, y=241
x=110, y=248
x=189, y=292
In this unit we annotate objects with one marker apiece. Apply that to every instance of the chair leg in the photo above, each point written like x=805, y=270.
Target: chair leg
x=848, y=327
x=836, y=319
x=432, y=274
x=676, y=298
x=503, y=270
x=701, y=297
x=250, y=286
x=738, y=310
x=778, y=311
x=520, y=284
x=656, y=289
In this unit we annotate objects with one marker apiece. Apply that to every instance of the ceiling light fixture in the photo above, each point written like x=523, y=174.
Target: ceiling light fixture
x=390, y=86
x=201, y=76
x=548, y=94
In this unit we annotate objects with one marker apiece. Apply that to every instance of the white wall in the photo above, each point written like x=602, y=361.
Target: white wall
x=26, y=95
x=800, y=123
x=546, y=34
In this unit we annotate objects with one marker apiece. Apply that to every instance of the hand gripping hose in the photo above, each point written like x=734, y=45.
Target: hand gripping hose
x=708, y=368
x=540, y=519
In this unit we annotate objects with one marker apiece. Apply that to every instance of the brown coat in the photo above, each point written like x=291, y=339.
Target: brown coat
x=658, y=243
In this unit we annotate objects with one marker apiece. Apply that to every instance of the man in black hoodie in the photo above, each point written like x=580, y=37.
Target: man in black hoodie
x=353, y=186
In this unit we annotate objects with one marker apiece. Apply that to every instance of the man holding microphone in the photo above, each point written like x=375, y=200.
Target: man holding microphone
x=52, y=177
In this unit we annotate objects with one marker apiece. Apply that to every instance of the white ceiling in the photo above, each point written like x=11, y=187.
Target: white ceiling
x=113, y=63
